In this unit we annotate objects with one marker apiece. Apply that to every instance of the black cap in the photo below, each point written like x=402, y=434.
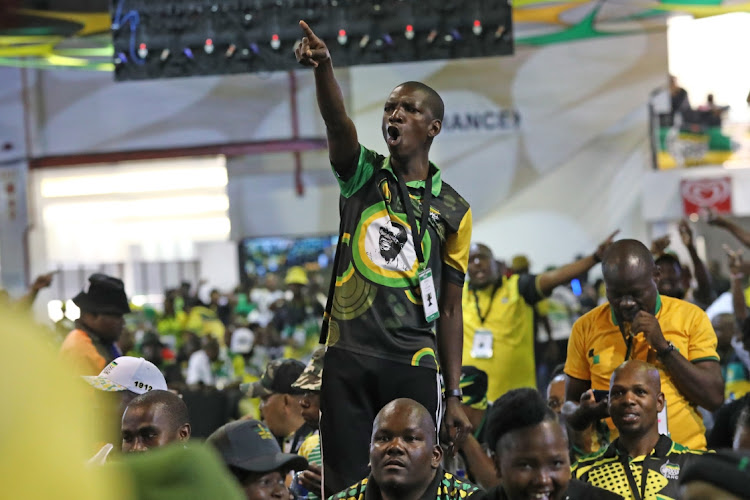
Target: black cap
x=105, y=295
x=278, y=378
x=250, y=446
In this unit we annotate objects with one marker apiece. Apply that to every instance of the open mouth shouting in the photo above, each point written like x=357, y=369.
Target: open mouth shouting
x=393, y=136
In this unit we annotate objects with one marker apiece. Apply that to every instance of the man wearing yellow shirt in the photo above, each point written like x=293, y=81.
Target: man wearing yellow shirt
x=638, y=323
x=498, y=317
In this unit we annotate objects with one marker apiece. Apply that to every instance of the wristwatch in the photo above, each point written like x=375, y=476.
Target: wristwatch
x=663, y=352
x=453, y=393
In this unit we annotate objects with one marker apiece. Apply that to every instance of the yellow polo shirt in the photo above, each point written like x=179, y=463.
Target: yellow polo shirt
x=596, y=347
x=510, y=317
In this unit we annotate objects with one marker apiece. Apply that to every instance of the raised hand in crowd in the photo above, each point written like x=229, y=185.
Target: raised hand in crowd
x=42, y=281
x=659, y=245
x=311, y=51
x=717, y=220
x=589, y=410
x=686, y=234
x=705, y=290
x=738, y=270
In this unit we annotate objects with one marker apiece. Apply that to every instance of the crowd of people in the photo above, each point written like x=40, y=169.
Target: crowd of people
x=409, y=381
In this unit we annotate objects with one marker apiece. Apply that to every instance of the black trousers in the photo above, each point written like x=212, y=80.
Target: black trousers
x=355, y=388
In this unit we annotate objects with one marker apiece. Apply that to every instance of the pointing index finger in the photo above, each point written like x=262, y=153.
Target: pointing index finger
x=308, y=32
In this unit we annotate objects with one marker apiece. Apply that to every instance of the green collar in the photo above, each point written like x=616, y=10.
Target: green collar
x=658, y=308
x=437, y=181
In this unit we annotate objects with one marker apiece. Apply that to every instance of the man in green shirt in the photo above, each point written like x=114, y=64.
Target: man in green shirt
x=394, y=310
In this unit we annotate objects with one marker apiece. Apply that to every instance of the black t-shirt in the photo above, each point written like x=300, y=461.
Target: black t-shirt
x=577, y=490
x=376, y=308
x=725, y=423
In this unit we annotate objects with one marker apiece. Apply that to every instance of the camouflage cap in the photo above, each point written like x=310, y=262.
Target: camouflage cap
x=312, y=378
x=277, y=379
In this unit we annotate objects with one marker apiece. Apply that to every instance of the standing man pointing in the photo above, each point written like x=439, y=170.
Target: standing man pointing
x=394, y=314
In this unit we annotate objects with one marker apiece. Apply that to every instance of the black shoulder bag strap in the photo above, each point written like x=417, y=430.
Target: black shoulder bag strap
x=332, y=285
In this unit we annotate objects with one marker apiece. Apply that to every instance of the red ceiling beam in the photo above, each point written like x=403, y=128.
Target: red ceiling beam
x=232, y=149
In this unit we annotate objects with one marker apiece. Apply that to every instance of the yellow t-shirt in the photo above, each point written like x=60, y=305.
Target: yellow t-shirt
x=510, y=318
x=596, y=347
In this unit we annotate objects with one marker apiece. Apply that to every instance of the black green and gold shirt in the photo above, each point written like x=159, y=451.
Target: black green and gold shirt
x=377, y=306
x=606, y=469
x=444, y=486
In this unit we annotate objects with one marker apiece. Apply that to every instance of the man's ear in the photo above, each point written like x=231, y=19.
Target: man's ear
x=496, y=461
x=435, y=127
x=660, y=402
x=184, y=433
x=437, y=456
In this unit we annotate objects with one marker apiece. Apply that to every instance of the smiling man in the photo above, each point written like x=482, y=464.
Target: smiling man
x=394, y=304
x=641, y=463
x=405, y=459
x=639, y=323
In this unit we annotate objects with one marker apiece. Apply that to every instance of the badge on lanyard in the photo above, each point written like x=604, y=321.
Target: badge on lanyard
x=429, y=297
x=426, y=283
x=482, y=346
x=661, y=419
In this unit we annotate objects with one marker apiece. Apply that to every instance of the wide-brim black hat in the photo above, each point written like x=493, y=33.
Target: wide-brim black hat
x=105, y=295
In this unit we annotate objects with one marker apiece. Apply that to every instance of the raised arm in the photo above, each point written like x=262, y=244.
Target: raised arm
x=40, y=282
x=343, y=145
x=704, y=292
x=732, y=227
x=549, y=280
x=737, y=277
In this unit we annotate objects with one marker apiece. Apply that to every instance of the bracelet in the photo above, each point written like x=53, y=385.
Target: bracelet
x=670, y=347
x=737, y=276
x=453, y=393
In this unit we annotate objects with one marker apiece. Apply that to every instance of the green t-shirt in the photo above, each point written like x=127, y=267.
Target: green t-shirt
x=377, y=306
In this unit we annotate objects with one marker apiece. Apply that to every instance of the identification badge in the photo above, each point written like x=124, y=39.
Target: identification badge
x=661, y=418
x=299, y=337
x=482, y=346
x=429, y=297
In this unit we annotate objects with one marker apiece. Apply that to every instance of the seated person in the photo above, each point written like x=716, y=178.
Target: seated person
x=280, y=403
x=255, y=459
x=117, y=385
x=640, y=461
x=405, y=459
x=153, y=420
x=530, y=451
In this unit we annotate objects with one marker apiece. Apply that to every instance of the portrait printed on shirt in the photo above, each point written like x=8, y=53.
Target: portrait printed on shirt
x=389, y=245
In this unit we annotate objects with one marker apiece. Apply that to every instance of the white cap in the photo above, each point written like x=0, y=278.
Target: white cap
x=127, y=373
x=242, y=341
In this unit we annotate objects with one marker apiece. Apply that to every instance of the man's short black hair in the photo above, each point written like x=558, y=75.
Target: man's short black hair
x=667, y=259
x=516, y=409
x=174, y=406
x=434, y=101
